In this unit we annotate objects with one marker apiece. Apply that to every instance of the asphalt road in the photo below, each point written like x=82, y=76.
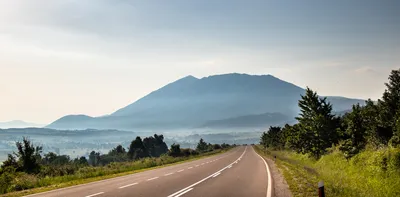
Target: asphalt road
x=239, y=172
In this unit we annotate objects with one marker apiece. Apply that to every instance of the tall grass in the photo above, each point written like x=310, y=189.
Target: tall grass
x=374, y=173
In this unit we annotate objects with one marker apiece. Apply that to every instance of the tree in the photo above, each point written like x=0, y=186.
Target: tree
x=28, y=155
x=117, y=150
x=137, y=150
x=273, y=138
x=202, y=146
x=317, y=126
x=175, y=150
x=82, y=161
x=155, y=145
x=390, y=106
x=355, y=132
x=94, y=158
x=10, y=162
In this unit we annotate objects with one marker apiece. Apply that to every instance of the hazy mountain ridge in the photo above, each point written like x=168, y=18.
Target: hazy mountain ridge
x=190, y=102
x=258, y=121
x=18, y=124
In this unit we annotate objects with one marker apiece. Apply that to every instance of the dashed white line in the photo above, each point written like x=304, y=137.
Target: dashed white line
x=168, y=174
x=128, y=185
x=190, y=168
x=184, y=190
x=202, y=164
x=197, y=166
x=180, y=170
x=152, y=179
x=95, y=194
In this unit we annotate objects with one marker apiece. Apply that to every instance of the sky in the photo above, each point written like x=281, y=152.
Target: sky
x=60, y=57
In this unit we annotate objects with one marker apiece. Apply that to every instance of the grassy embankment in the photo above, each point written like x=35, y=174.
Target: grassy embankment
x=373, y=173
x=34, y=184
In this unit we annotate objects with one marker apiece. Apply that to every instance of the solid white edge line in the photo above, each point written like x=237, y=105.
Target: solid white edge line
x=184, y=192
x=95, y=194
x=269, y=189
x=122, y=187
x=202, y=180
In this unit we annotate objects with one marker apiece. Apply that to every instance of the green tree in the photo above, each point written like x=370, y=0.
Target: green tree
x=94, y=158
x=137, y=150
x=155, y=145
x=202, y=146
x=28, y=155
x=117, y=150
x=355, y=133
x=10, y=162
x=175, y=150
x=317, y=125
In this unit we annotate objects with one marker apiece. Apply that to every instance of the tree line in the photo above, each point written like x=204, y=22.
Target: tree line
x=30, y=158
x=373, y=124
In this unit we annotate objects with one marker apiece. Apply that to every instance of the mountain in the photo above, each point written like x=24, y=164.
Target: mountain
x=18, y=124
x=257, y=121
x=190, y=102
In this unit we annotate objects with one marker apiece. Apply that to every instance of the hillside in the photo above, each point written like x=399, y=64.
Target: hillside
x=190, y=102
x=257, y=121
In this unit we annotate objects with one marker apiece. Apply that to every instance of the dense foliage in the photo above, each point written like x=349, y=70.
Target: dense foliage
x=374, y=124
x=29, y=168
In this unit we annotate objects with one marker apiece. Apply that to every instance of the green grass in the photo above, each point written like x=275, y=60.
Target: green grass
x=373, y=173
x=34, y=184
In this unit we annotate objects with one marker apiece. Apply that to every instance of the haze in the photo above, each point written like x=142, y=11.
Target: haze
x=93, y=57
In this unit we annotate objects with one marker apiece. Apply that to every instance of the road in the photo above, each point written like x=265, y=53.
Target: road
x=239, y=172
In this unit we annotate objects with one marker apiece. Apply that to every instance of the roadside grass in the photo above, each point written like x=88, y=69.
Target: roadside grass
x=373, y=173
x=32, y=184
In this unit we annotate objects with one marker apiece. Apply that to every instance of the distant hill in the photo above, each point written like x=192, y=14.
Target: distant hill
x=190, y=102
x=257, y=121
x=18, y=124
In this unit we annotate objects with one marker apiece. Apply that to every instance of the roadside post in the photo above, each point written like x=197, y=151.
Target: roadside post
x=321, y=189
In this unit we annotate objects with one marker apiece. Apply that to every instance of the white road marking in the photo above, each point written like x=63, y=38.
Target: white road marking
x=128, y=185
x=197, y=166
x=168, y=174
x=269, y=190
x=190, y=168
x=181, y=170
x=202, y=164
x=153, y=178
x=184, y=192
x=95, y=194
x=230, y=166
x=178, y=193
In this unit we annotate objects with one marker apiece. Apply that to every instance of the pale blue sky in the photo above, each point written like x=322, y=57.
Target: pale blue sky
x=93, y=57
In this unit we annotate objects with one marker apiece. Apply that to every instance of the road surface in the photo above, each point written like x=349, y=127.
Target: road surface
x=239, y=172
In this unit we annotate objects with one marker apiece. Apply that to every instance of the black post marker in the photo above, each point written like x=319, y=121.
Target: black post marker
x=321, y=189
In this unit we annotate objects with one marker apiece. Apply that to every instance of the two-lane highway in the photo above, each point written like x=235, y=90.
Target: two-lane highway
x=239, y=172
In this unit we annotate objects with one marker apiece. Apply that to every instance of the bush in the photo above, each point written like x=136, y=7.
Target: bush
x=24, y=181
x=7, y=175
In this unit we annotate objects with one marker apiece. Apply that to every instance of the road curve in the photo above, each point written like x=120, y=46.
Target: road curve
x=239, y=172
